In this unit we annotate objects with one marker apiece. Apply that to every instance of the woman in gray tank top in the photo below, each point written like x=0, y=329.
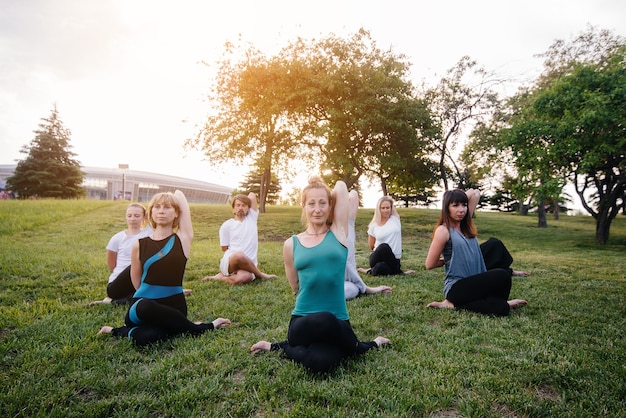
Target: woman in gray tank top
x=467, y=284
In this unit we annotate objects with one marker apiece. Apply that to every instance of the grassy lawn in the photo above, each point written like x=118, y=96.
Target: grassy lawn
x=563, y=355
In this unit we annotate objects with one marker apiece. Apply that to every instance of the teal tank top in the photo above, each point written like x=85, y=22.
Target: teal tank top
x=321, y=270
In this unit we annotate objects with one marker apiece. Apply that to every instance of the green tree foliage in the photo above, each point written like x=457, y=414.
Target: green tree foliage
x=342, y=105
x=573, y=123
x=252, y=183
x=466, y=96
x=251, y=120
x=49, y=170
x=362, y=111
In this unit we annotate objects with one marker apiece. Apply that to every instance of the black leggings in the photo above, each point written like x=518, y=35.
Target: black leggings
x=485, y=293
x=383, y=261
x=158, y=322
x=121, y=289
x=320, y=341
x=496, y=255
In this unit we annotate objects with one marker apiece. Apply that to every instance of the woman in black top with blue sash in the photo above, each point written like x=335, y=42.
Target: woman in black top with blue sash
x=158, y=309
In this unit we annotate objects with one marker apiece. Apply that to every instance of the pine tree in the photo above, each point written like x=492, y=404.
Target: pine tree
x=49, y=170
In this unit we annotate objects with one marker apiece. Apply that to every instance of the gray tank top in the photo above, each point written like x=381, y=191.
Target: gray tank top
x=462, y=258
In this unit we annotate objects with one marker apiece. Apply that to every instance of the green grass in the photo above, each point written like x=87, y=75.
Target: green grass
x=563, y=355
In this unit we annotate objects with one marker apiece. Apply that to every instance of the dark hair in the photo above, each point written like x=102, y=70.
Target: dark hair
x=244, y=199
x=456, y=196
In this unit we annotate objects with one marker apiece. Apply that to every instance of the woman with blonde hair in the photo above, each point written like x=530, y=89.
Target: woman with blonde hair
x=120, y=288
x=384, y=237
x=320, y=335
x=158, y=308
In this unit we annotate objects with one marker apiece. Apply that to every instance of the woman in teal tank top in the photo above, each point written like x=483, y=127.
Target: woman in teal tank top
x=320, y=335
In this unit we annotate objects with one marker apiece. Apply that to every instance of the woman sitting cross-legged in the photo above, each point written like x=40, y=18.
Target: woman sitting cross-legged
x=467, y=284
x=158, y=309
x=320, y=335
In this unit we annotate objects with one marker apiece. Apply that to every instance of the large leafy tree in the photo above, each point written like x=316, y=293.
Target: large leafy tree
x=362, y=111
x=341, y=104
x=574, y=124
x=251, y=121
x=49, y=170
x=465, y=97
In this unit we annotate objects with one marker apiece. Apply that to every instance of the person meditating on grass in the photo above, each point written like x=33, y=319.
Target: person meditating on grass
x=384, y=237
x=158, y=309
x=239, y=239
x=467, y=284
x=320, y=335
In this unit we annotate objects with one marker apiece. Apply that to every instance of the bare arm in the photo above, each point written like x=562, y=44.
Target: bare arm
x=254, y=203
x=136, y=269
x=111, y=260
x=185, y=228
x=340, y=212
x=290, y=269
x=473, y=197
x=371, y=241
x=433, y=259
x=353, y=204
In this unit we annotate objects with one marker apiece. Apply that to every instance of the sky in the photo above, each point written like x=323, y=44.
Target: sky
x=128, y=79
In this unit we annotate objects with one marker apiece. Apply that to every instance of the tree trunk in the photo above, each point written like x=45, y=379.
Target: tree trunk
x=264, y=187
x=556, y=209
x=603, y=225
x=541, y=215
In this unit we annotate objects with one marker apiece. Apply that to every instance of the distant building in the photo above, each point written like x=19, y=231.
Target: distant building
x=140, y=186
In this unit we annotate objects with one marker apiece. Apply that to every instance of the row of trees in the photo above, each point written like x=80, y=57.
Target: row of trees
x=348, y=108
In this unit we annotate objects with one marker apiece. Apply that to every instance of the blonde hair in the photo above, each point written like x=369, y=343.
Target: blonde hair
x=315, y=182
x=377, y=215
x=165, y=197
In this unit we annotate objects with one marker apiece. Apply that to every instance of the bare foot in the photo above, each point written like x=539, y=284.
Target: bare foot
x=105, y=330
x=380, y=341
x=362, y=270
x=268, y=276
x=218, y=276
x=409, y=272
x=260, y=346
x=377, y=289
x=221, y=323
x=186, y=292
x=520, y=273
x=516, y=303
x=444, y=304
x=101, y=302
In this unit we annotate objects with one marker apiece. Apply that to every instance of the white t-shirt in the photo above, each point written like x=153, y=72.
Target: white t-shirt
x=122, y=244
x=390, y=233
x=241, y=235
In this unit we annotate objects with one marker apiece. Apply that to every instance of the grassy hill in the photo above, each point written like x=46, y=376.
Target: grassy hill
x=563, y=355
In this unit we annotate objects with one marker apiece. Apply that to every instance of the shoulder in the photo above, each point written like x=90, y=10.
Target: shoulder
x=442, y=232
x=116, y=238
x=288, y=245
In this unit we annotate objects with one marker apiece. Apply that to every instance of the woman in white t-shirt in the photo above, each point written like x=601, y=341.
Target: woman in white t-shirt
x=120, y=288
x=384, y=235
